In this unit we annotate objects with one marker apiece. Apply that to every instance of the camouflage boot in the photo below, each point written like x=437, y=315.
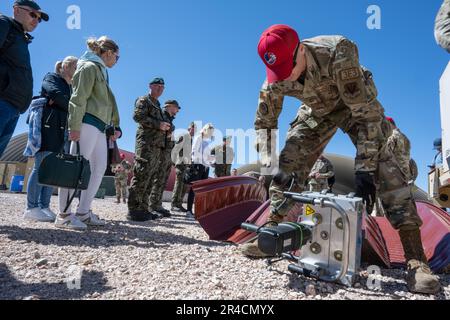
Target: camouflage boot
x=419, y=277
x=117, y=201
x=251, y=249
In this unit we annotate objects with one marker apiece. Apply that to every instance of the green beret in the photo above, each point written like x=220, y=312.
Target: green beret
x=158, y=81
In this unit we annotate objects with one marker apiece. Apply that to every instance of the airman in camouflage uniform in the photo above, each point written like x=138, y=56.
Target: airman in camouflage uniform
x=322, y=171
x=171, y=108
x=224, y=158
x=400, y=146
x=182, y=161
x=150, y=144
x=121, y=181
x=442, y=26
x=337, y=92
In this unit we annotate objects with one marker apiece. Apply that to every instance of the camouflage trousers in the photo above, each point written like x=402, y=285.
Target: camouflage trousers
x=318, y=185
x=180, y=188
x=121, y=188
x=306, y=142
x=160, y=181
x=223, y=170
x=146, y=170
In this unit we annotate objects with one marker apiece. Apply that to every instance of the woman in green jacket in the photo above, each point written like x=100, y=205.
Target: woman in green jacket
x=93, y=114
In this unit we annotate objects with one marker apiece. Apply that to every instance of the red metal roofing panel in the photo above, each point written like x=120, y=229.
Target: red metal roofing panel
x=374, y=248
x=223, y=204
x=435, y=237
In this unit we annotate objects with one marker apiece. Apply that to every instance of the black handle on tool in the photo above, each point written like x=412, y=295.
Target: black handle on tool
x=250, y=227
x=299, y=198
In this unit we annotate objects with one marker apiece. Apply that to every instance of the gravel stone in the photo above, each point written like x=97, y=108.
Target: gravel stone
x=169, y=259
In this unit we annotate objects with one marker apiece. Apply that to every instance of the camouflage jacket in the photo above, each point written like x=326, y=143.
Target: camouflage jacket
x=149, y=115
x=333, y=77
x=442, y=26
x=325, y=169
x=400, y=146
x=223, y=155
x=169, y=143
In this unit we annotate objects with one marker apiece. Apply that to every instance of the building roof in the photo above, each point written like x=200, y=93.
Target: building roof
x=14, y=150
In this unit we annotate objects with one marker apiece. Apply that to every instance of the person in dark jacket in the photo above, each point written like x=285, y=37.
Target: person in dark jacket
x=16, y=79
x=56, y=87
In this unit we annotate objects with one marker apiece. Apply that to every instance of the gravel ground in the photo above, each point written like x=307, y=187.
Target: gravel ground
x=169, y=259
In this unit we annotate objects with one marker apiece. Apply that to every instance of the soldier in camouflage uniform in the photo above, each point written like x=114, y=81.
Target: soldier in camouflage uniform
x=182, y=161
x=320, y=174
x=171, y=109
x=224, y=158
x=150, y=144
x=400, y=146
x=442, y=26
x=121, y=172
x=337, y=92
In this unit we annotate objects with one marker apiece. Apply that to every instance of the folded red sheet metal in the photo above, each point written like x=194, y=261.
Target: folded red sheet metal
x=223, y=204
x=435, y=237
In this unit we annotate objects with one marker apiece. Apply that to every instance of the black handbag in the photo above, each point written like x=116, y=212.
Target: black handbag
x=65, y=171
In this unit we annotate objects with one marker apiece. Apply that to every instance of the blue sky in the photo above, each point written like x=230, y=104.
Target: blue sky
x=206, y=51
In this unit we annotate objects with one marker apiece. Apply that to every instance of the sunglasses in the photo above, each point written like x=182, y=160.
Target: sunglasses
x=32, y=14
x=117, y=57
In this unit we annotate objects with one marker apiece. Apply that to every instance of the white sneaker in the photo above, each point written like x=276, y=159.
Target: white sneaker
x=70, y=222
x=49, y=213
x=91, y=219
x=36, y=215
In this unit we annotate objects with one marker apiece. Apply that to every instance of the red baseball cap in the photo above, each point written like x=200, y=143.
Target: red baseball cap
x=122, y=156
x=391, y=120
x=276, y=48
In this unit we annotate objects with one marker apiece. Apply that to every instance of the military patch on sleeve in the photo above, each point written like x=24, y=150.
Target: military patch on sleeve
x=352, y=90
x=350, y=74
x=263, y=108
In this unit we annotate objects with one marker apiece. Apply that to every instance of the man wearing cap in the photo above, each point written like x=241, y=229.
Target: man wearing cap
x=442, y=26
x=224, y=158
x=171, y=109
x=320, y=175
x=16, y=78
x=338, y=93
x=181, y=157
x=150, y=143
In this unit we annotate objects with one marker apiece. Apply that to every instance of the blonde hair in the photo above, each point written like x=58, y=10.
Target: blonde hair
x=207, y=130
x=102, y=45
x=68, y=61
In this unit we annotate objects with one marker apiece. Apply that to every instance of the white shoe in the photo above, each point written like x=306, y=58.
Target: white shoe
x=70, y=222
x=36, y=215
x=49, y=213
x=91, y=219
